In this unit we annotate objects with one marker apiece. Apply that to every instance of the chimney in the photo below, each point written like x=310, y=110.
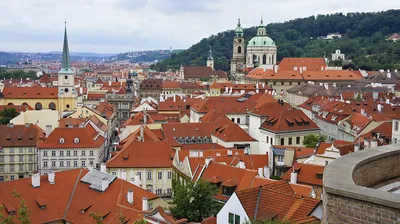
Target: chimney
x=35, y=180
x=276, y=67
x=174, y=98
x=266, y=172
x=334, y=84
x=208, y=161
x=129, y=196
x=295, y=68
x=145, y=204
x=142, y=134
x=293, y=177
x=137, y=179
x=356, y=147
x=226, y=89
x=260, y=172
x=326, y=163
x=242, y=165
x=109, y=83
x=246, y=151
x=229, y=152
x=379, y=107
x=123, y=174
x=374, y=143
x=10, y=125
x=27, y=125
x=51, y=176
x=103, y=167
x=201, y=153
x=326, y=85
x=81, y=90
x=301, y=70
x=104, y=183
x=363, y=111
x=49, y=129
x=389, y=75
x=387, y=101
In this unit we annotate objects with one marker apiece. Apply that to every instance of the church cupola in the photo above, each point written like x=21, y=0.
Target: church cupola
x=261, y=31
x=129, y=84
x=239, y=29
x=210, y=60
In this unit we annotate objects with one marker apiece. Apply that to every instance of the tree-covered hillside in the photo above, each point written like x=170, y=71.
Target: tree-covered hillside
x=364, y=41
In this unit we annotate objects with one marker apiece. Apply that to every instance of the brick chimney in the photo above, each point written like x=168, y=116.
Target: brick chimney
x=35, y=180
x=129, y=196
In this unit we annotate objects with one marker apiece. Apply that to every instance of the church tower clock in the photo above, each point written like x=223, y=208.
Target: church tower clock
x=238, y=59
x=67, y=94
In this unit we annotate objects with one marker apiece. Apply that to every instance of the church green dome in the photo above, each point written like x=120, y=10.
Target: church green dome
x=261, y=41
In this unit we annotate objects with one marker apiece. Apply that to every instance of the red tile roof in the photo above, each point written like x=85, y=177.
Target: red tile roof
x=69, y=196
x=188, y=130
x=228, y=131
x=138, y=119
x=30, y=92
x=306, y=174
x=64, y=138
x=266, y=203
x=20, y=136
x=311, y=64
x=171, y=85
x=143, y=154
x=288, y=120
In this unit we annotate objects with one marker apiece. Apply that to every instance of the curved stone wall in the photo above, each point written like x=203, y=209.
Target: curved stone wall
x=349, y=196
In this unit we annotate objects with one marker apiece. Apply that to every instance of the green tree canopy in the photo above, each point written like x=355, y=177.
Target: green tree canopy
x=195, y=201
x=312, y=140
x=364, y=41
x=7, y=114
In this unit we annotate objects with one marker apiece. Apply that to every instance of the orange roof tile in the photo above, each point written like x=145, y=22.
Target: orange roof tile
x=69, y=196
x=30, y=92
x=62, y=138
x=143, y=154
x=311, y=64
x=306, y=174
x=20, y=136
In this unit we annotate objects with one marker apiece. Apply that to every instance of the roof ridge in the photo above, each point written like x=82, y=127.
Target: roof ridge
x=257, y=203
x=72, y=194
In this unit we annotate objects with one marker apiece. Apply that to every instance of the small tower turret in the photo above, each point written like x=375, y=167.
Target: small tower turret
x=210, y=60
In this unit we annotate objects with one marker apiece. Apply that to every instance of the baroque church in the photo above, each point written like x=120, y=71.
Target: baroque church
x=260, y=51
x=63, y=98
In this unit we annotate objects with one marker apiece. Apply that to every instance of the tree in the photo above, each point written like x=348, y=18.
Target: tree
x=142, y=221
x=195, y=201
x=23, y=212
x=7, y=115
x=311, y=140
x=96, y=217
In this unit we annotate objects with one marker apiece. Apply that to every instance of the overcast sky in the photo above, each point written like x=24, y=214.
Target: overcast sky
x=112, y=26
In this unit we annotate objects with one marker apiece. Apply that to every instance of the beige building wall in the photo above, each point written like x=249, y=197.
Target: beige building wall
x=160, y=186
x=17, y=162
x=39, y=117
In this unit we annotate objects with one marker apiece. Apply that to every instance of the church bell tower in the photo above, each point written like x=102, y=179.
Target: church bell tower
x=238, y=58
x=67, y=94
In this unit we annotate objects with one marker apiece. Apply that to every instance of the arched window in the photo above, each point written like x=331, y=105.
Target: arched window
x=239, y=50
x=38, y=106
x=52, y=106
x=10, y=104
x=264, y=59
x=24, y=104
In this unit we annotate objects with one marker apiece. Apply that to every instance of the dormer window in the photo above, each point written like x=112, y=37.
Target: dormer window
x=76, y=140
x=62, y=140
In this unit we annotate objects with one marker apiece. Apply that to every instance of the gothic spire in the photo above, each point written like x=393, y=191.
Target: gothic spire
x=210, y=57
x=65, y=55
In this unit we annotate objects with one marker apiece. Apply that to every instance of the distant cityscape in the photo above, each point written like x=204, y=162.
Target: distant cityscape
x=134, y=138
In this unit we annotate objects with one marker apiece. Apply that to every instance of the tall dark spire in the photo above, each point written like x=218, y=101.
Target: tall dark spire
x=65, y=65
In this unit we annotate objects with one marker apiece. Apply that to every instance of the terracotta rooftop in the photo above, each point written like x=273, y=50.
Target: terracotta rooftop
x=64, y=138
x=311, y=64
x=144, y=155
x=306, y=174
x=20, y=136
x=71, y=200
x=266, y=203
x=30, y=92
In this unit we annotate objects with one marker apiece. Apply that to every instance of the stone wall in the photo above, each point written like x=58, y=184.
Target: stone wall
x=349, y=196
x=340, y=209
